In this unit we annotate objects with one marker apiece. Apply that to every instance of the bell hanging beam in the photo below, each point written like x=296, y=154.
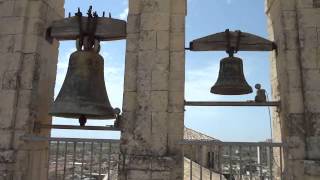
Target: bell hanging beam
x=218, y=42
x=107, y=29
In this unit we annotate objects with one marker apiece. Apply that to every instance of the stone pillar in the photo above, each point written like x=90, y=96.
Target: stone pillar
x=153, y=104
x=295, y=27
x=27, y=74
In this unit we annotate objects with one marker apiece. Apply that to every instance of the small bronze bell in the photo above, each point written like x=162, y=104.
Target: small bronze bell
x=83, y=94
x=231, y=80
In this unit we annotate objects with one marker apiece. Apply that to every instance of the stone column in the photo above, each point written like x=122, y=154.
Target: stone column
x=153, y=103
x=27, y=74
x=295, y=27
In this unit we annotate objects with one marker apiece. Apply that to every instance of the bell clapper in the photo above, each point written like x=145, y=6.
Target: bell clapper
x=82, y=120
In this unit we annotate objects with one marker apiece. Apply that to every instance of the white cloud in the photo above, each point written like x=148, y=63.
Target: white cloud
x=124, y=14
x=199, y=81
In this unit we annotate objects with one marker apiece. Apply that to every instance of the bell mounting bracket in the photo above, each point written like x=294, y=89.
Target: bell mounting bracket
x=231, y=49
x=231, y=39
x=95, y=27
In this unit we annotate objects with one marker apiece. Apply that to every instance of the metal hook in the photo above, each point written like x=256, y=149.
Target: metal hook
x=238, y=41
x=229, y=49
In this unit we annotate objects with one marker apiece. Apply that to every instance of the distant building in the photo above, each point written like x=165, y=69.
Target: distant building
x=207, y=156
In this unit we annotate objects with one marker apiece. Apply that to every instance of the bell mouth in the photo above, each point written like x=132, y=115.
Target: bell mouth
x=225, y=90
x=88, y=116
x=75, y=110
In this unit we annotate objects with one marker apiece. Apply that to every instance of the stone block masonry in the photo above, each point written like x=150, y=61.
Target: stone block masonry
x=294, y=26
x=153, y=103
x=27, y=75
x=154, y=90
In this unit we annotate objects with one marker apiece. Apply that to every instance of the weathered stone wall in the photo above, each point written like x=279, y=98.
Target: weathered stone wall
x=27, y=73
x=153, y=104
x=295, y=27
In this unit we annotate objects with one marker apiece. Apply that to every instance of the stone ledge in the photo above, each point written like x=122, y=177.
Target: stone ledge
x=149, y=163
x=312, y=167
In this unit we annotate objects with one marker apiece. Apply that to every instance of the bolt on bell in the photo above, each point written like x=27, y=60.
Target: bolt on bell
x=83, y=93
x=231, y=80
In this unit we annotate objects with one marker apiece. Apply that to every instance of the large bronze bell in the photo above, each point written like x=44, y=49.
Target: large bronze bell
x=83, y=94
x=231, y=80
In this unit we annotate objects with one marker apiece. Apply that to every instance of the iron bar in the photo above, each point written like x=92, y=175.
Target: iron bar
x=56, y=126
x=270, y=163
x=41, y=138
x=260, y=160
x=65, y=159
x=281, y=163
x=109, y=159
x=240, y=163
x=230, y=162
x=250, y=163
x=100, y=157
x=207, y=142
x=231, y=103
x=211, y=160
x=219, y=162
x=201, y=161
x=74, y=158
x=82, y=159
x=91, y=159
x=57, y=155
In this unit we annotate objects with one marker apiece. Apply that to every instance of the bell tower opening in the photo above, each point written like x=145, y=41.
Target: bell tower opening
x=113, y=53
x=202, y=70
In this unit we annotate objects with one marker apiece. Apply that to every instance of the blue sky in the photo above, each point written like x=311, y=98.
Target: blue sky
x=204, y=17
